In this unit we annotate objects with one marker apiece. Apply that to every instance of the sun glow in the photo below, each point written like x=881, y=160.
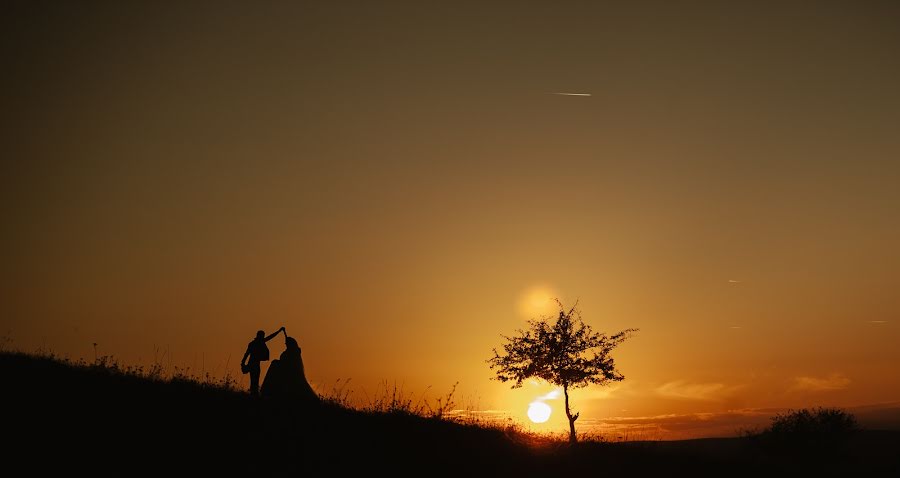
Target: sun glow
x=539, y=412
x=537, y=301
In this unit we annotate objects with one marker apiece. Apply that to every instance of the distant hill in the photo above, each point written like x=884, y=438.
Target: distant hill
x=885, y=416
x=97, y=420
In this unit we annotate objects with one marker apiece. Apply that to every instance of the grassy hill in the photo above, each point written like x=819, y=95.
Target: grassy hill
x=105, y=421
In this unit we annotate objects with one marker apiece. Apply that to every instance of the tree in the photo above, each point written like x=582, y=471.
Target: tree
x=566, y=353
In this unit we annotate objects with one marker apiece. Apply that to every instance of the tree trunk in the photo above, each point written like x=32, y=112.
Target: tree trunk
x=572, y=437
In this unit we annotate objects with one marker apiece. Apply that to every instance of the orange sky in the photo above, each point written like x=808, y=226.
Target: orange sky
x=389, y=181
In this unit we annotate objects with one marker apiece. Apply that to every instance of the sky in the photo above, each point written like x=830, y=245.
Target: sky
x=398, y=184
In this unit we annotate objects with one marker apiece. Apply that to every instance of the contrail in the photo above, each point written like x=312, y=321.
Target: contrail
x=571, y=94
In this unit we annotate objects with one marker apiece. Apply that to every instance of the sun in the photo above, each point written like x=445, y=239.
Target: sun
x=539, y=412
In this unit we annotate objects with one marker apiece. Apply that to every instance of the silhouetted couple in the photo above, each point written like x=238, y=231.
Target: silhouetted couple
x=286, y=378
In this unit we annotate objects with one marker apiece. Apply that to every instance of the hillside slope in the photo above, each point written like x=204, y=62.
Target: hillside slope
x=66, y=418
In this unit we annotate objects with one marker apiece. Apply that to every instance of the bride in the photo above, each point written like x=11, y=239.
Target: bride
x=286, y=378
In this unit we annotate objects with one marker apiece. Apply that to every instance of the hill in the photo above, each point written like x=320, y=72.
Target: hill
x=96, y=419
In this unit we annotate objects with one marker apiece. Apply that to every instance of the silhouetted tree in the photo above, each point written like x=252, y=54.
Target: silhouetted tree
x=566, y=353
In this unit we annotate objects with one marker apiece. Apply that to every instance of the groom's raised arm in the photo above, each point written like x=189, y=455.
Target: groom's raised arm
x=270, y=337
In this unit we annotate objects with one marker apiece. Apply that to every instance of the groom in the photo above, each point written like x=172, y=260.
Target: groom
x=257, y=352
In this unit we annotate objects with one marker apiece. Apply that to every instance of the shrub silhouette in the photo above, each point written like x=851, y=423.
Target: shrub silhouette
x=820, y=431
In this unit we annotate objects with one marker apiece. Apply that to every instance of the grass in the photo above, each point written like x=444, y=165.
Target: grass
x=105, y=419
x=391, y=398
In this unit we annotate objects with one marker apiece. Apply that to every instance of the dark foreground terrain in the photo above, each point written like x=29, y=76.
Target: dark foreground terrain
x=90, y=420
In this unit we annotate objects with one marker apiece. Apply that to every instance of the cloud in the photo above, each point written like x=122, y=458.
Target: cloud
x=877, y=321
x=679, y=389
x=617, y=390
x=691, y=418
x=552, y=395
x=680, y=426
x=834, y=381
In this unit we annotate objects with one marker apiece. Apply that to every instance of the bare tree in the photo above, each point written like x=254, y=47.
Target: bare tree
x=566, y=353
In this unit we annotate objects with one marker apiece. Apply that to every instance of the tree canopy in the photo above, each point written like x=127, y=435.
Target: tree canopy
x=566, y=353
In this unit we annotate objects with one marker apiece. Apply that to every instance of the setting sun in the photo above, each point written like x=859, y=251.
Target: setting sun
x=539, y=412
